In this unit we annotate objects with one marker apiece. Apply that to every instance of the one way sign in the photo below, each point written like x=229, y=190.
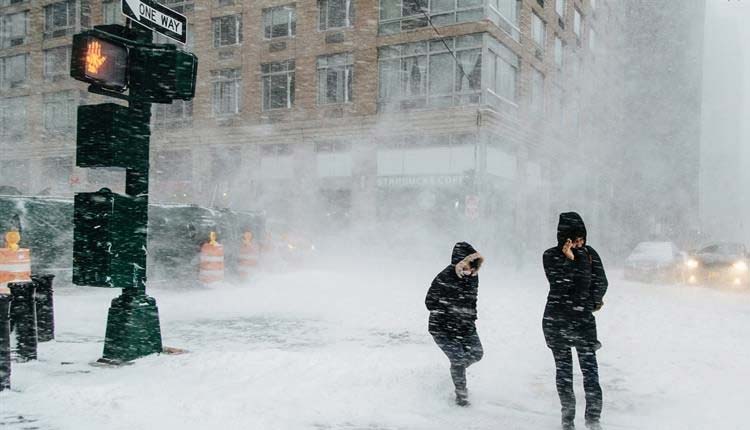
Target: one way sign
x=157, y=17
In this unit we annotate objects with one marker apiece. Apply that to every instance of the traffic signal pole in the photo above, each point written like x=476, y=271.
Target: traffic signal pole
x=111, y=230
x=133, y=327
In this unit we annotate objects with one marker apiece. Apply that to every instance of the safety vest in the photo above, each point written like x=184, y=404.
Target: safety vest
x=211, y=263
x=248, y=260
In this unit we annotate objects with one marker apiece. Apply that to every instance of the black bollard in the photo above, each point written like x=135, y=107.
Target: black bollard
x=4, y=341
x=23, y=317
x=45, y=309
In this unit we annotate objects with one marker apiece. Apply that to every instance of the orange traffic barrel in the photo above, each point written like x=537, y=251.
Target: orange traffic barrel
x=15, y=262
x=249, y=254
x=211, y=261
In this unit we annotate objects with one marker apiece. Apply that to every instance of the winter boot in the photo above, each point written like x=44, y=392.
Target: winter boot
x=593, y=425
x=568, y=425
x=462, y=397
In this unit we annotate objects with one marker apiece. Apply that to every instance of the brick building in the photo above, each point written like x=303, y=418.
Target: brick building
x=332, y=109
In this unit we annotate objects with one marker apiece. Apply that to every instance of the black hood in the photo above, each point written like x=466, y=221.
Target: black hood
x=461, y=251
x=571, y=226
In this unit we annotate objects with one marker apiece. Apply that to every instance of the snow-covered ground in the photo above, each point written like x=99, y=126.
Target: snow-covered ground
x=328, y=349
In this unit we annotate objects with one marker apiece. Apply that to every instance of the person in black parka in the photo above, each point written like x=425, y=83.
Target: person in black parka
x=452, y=302
x=577, y=286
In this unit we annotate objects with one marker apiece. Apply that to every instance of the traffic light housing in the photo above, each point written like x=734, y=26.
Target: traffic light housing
x=110, y=135
x=111, y=57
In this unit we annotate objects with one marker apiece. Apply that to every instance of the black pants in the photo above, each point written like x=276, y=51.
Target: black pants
x=590, y=371
x=462, y=351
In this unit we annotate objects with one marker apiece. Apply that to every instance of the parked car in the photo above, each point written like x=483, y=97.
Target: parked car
x=655, y=262
x=719, y=263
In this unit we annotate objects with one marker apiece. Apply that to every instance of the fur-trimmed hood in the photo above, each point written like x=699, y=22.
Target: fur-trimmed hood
x=463, y=256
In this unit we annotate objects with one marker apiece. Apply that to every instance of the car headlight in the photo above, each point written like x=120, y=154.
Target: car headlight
x=740, y=266
x=691, y=264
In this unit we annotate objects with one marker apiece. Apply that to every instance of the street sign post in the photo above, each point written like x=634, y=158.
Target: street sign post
x=156, y=17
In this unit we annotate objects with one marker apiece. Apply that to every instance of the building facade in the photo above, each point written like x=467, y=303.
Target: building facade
x=324, y=111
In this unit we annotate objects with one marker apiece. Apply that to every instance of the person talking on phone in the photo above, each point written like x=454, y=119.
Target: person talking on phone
x=452, y=302
x=577, y=284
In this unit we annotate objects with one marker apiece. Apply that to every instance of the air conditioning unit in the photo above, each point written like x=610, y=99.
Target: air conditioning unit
x=17, y=41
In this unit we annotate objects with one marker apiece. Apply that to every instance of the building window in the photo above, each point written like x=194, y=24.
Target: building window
x=57, y=63
x=404, y=15
x=226, y=95
x=181, y=6
x=176, y=114
x=13, y=29
x=503, y=74
x=559, y=49
x=227, y=30
x=560, y=8
x=577, y=23
x=12, y=119
x=335, y=14
x=60, y=111
x=14, y=71
x=537, y=92
x=335, y=79
x=280, y=22
x=60, y=19
x=278, y=85
x=538, y=31
x=111, y=13
x=414, y=75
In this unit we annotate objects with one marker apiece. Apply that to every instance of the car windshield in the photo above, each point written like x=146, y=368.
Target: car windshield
x=724, y=249
x=653, y=250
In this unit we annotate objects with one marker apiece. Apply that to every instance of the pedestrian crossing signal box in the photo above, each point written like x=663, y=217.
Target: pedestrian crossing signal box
x=107, y=251
x=111, y=57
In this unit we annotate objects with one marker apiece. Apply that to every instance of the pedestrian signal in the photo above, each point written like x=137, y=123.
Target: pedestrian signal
x=99, y=61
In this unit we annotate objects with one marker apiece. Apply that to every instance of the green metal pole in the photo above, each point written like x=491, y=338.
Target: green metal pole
x=133, y=328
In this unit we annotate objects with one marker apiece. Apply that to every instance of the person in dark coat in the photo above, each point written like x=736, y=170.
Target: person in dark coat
x=452, y=302
x=577, y=284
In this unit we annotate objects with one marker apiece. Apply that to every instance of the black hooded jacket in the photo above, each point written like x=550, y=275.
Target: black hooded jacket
x=452, y=300
x=576, y=289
